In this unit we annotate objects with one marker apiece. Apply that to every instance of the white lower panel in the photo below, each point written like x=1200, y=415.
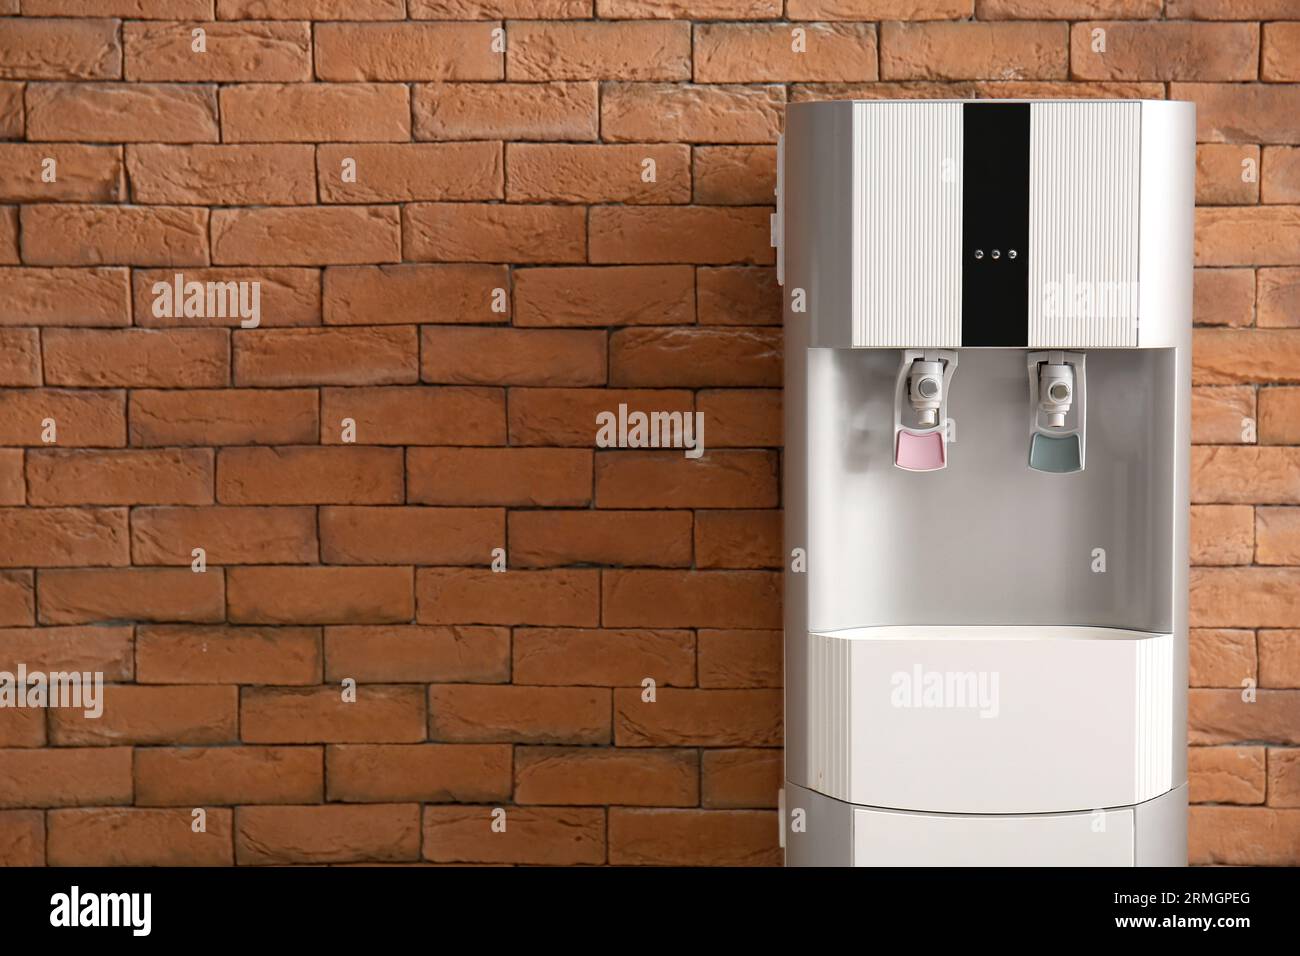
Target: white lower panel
x=1000, y=720
x=894, y=838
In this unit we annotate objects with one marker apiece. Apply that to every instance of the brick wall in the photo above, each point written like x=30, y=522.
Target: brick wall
x=331, y=559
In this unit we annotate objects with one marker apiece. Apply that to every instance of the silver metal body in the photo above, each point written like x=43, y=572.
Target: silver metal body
x=985, y=664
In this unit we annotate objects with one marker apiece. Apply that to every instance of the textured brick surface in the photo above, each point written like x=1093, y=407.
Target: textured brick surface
x=358, y=572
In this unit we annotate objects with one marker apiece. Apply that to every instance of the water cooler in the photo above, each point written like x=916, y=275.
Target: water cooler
x=987, y=390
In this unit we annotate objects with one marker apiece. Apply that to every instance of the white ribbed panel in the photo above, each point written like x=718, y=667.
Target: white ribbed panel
x=1153, y=774
x=1084, y=160
x=829, y=705
x=907, y=225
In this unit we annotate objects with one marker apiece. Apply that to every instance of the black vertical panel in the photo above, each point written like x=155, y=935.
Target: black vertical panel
x=995, y=216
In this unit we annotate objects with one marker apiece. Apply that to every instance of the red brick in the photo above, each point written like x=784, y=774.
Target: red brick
x=17, y=600
x=740, y=658
x=1053, y=9
x=122, y=113
x=127, y=836
x=234, y=53
x=539, y=172
x=743, y=418
x=12, y=485
x=1279, y=658
x=1277, y=536
x=974, y=51
x=1222, y=534
x=228, y=655
x=309, y=9
x=699, y=234
x=20, y=357
x=698, y=9
x=333, y=356
x=306, y=235
x=485, y=713
x=416, y=415
x=22, y=727
x=63, y=537
x=291, y=715
x=286, y=296
x=594, y=50
x=199, y=776
x=533, y=111
x=695, y=357
x=691, y=598
x=22, y=838
x=567, y=416
x=1226, y=774
x=1244, y=597
x=1221, y=716
x=738, y=296
x=603, y=658
x=65, y=777
x=404, y=172
x=734, y=175
x=1280, y=175
x=679, y=113
x=481, y=596
x=473, y=232
x=1244, y=836
x=223, y=417
x=1281, y=49
x=314, y=595
x=315, y=112
x=605, y=296
x=349, y=52
x=175, y=358
x=495, y=9
x=533, y=835
x=1220, y=414
x=693, y=837
x=1224, y=297
x=499, y=476
x=108, y=650
x=1165, y=51
x=766, y=53
x=119, y=477
x=1254, y=356
x=83, y=418
x=413, y=535
x=1283, y=777
x=82, y=234
x=137, y=9
x=663, y=479
x=698, y=718
x=428, y=773
x=328, y=834
x=911, y=9
x=410, y=294
x=83, y=596
x=1248, y=235
x=1279, y=298
x=11, y=110
x=486, y=356
x=635, y=538
x=222, y=175
x=1246, y=475
x=1242, y=112
x=1220, y=657
x=83, y=173
x=306, y=475
x=59, y=49
x=151, y=715
x=1221, y=174
x=740, y=778
x=581, y=775
x=395, y=653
